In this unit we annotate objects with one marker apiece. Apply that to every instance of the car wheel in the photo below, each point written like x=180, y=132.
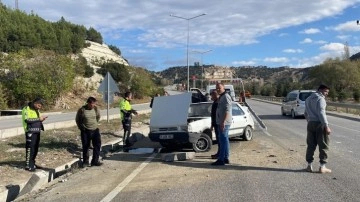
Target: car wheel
x=247, y=135
x=293, y=115
x=203, y=144
x=282, y=112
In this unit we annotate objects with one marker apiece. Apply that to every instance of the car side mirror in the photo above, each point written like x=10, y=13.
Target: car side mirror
x=284, y=100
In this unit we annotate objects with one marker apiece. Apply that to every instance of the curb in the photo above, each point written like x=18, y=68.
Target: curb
x=43, y=177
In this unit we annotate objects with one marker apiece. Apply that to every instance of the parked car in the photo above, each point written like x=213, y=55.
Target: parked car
x=177, y=123
x=294, y=103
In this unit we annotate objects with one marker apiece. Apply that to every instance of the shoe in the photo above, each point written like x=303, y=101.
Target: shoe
x=226, y=161
x=96, y=164
x=215, y=156
x=218, y=163
x=309, y=169
x=85, y=164
x=324, y=170
x=30, y=169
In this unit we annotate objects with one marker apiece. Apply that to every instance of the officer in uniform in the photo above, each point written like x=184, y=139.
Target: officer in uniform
x=32, y=123
x=126, y=112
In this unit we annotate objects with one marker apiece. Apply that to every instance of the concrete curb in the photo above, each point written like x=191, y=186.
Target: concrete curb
x=43, y=177
x=177, y=156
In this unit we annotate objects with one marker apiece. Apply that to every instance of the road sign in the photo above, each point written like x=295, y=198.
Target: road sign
x=108, y=87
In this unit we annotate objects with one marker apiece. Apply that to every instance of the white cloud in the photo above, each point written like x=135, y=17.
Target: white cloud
x=334, y=47
x=292, y=51
x=320, y=42
x=311, y=31
x=307, y=40
x=244, y=63
x=349, y=26
x=276, y=59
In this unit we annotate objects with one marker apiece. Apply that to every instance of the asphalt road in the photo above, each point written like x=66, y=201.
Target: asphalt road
x=268, y=168
x=13, y=122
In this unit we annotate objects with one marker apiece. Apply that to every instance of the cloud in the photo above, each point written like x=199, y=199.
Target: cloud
x=307, y=40
x=292, y=51
x=244, y=63
x=349, y=26
x=311, y=31
x=334, y=47
x=276, y=59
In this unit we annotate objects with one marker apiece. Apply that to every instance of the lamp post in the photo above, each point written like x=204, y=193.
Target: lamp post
x=202, y=65
x=187, y=43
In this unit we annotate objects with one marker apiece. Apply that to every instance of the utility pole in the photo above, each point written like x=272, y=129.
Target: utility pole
x=17, y=4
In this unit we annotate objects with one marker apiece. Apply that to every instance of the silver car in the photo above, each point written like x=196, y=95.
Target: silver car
x=294, y=103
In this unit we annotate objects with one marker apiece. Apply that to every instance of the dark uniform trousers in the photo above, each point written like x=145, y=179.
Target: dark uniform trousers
x=127, y=129
x=93, y=136
x=32, y=148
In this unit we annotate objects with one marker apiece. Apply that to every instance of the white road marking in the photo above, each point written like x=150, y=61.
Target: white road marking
x=128, y=179
x=345, y=128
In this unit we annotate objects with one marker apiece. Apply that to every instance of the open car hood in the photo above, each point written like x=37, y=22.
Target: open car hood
x=170, y=111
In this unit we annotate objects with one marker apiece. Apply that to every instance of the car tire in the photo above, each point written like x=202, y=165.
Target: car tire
x=293, y=115
x=248, y=133
x=203, y=144
x=282, y=112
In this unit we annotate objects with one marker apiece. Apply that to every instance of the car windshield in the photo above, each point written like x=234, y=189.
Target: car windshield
x=303, y=96
x=200, y=110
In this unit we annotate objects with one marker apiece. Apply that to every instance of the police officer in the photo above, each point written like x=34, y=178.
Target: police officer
x=32, y=123
x=126, y=112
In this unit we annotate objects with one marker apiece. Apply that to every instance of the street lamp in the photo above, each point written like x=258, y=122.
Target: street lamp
x=202, y=65
x=187, y=43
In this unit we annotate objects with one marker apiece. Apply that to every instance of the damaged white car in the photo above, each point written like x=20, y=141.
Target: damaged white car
x=177, y=123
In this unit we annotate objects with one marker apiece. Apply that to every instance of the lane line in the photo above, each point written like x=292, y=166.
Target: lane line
x=345, y=128
x=128, y=179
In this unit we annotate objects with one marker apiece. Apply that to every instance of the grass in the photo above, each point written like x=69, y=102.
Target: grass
x=59, y=141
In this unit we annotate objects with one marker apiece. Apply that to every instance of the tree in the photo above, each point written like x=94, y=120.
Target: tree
x=36, y=73
x=115, y=49
x=93, y=35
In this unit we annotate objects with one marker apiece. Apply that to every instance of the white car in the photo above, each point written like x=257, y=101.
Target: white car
x=294, y=103
x=177, y=123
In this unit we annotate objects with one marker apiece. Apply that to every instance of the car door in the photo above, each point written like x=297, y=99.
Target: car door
x=239, y=121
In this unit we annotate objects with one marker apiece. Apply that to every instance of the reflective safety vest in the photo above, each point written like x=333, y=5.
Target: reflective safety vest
x=125, y=107
x=31, y=119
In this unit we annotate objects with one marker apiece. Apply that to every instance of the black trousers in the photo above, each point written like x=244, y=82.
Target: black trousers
x=127, y=131
x=94, y=137
x=32, y=148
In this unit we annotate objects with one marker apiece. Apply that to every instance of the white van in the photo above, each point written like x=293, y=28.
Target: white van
x=228, y=88
x=294, y=103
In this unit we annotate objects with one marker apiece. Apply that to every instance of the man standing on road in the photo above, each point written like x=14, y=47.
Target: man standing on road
x=318, y=130
x=223, y=120
x=32, y=123
x=126, y=112
x=87, y=120
x=214, y=126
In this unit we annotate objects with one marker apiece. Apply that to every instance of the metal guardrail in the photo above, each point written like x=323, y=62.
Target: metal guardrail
x=336, y=106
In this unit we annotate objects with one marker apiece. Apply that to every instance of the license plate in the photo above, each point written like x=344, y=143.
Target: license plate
x=166, y=137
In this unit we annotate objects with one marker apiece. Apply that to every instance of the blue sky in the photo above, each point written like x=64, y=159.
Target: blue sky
x=296, y=33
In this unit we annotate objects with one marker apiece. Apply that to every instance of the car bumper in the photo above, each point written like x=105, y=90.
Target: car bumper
x=174, y=137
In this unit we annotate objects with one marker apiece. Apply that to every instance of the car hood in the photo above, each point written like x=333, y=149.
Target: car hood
x=170, y=111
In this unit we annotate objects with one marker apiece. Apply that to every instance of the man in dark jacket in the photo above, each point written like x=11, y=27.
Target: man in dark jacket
x=214, y=126
x=32, y=123
x=87, y=119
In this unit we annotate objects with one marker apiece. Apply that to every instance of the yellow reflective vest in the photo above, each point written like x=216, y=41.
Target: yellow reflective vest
x=125, y=107
x=31, y=119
